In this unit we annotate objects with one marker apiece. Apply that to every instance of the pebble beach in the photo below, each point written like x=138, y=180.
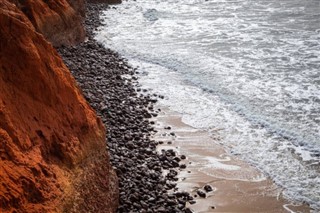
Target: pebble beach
x=145, y=140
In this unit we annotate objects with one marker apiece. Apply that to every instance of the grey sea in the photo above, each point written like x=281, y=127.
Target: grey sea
x=247, y=71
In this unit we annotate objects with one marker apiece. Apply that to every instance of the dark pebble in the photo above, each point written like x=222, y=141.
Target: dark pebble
x=183, y=166
x=208, y=188
x=188, y=210
x=126, y=112
x=201, y=193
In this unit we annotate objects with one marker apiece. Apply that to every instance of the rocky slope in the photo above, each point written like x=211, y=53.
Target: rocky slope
x=52, y=145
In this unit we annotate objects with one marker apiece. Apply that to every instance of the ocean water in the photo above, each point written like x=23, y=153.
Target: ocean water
x=247, y=71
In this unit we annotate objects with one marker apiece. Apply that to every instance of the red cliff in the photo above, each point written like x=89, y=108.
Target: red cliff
x=53, y=154
x=59, y=21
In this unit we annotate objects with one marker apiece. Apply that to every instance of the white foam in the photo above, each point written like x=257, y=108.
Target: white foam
x=216, y=163
x=248, y=69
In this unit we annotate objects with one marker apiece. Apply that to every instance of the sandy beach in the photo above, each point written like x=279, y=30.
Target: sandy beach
x=237, y=186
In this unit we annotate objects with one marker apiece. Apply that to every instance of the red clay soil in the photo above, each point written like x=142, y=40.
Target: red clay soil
x=53, y=154
x=58, y=20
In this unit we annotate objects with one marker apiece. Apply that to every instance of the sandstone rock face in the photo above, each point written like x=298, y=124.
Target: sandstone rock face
x=58, y=20
x=52, y=146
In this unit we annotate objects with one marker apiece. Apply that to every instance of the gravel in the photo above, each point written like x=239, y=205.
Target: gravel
x=110, y=85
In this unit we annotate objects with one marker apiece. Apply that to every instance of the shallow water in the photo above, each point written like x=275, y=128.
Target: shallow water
x=246, y=71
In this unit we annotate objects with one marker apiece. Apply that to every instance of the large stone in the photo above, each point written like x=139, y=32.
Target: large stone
x=53, y=154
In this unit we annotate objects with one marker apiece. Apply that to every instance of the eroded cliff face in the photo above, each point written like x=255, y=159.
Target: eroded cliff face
x=58, y=20
x=53, y=154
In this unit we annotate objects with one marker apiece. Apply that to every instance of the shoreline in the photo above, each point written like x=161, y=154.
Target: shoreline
x=237, y=186
x=130, y=114
x=111, y=88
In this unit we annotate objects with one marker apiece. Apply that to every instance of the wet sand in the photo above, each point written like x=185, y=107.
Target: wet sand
x=237, y=186
x=110, y=86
